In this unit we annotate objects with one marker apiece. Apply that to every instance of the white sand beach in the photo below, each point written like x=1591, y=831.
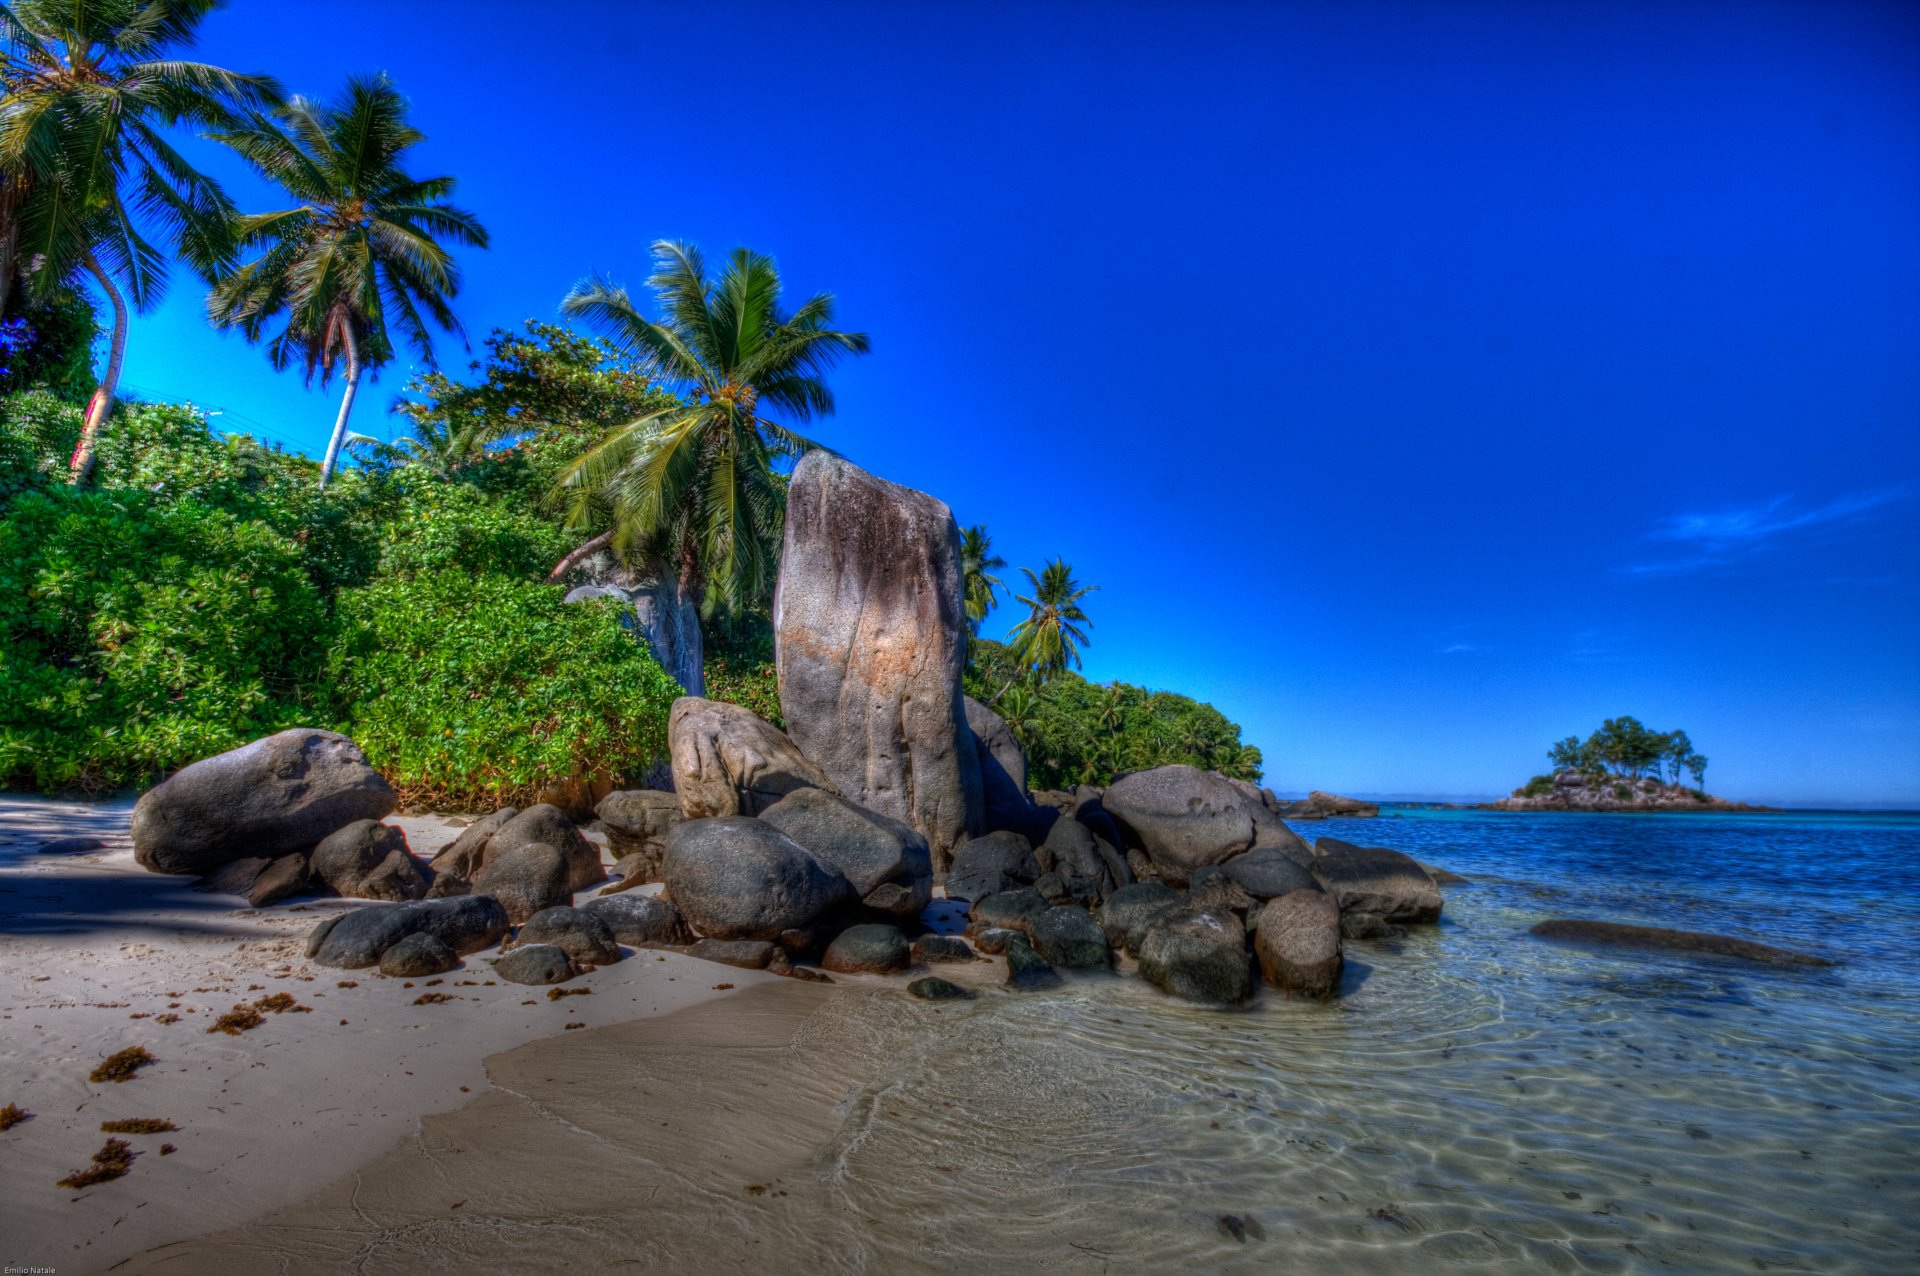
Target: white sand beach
x=96, y=953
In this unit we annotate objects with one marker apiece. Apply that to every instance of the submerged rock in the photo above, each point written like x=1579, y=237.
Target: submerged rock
x=1373, y=879
x=870, y=639
x=1026, y=968
x=277, y=795
x=1197, y=950
x=1620, y=934
x=934, y=988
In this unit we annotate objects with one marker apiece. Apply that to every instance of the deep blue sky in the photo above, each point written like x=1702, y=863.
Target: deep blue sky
x=1420, y=382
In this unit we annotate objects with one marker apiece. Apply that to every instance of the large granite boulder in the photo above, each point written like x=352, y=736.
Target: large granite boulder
x=369, y=860
x=1265, y=873
x=1297, y=939
x=1376, y=881
x=1003, y=769
x=870, y=639
x=547, y=824
x=525, y=879
x=1185, y=818
x=740, y=878
x=886, y=860
x=1197, y=951
x=637, y=823
x=1069, y=937
x=987, y=865
x=280, y=794
x=1073, y=853
x=1016, y=909
x=727, y=761
x=356, y=939
x=1127, y=911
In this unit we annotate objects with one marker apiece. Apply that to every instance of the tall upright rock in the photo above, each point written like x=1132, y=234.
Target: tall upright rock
x=870, y=641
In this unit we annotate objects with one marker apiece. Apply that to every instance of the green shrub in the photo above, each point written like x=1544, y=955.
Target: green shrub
x=739, y=664
x=37, y=432
x=484, y=690
x=137, y=636
x=447, y=526
x=1538, y=786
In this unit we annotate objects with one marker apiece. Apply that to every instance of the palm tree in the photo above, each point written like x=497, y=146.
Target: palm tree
x=359, y=258
x=1048, y=641
x=977, y=564
x=86, y=173
x=694, y=485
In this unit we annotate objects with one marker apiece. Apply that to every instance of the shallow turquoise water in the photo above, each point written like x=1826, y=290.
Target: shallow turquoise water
x=1478, y=1098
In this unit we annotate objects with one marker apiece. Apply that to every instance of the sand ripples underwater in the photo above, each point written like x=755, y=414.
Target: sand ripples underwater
x=1478, y=1098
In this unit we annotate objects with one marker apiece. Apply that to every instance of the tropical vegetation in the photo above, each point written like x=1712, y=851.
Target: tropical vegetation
x=1624, y=749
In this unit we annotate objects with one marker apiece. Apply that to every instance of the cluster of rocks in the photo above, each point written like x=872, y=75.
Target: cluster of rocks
x=1573, y=790
x=821, y=843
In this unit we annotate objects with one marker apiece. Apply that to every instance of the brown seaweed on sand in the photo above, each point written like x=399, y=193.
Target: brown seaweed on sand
x=121, y=1065
x=114, y=1158
x=138, y=1125
x=13, y=1114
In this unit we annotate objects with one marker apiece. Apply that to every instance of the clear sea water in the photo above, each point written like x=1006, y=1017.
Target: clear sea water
x=1478, y=1099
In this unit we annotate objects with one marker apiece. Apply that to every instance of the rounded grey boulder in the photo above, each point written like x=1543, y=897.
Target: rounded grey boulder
x=934, y=988
x=464, y=855
x=352, y=940
x=587, y=939
x=1003, y=768
x=1127, y=911
x=1184, y=817
x=1026, y=968
x=549, y=825
x=368, y=860
x=985, y=866
x=279, y=794
x=1266, y=873
x=872, y=949
x=1372, y=879
x=1011, y=910
x=417, y=956
x=872, y=851
x=1197, y=953
x=1068, y=937
x=936, y=948
x=740, y=878
x=638, y=919
x=1298, y=943
x=535, y=964
x=637, y=823
x=525, y=879
x=747, y=954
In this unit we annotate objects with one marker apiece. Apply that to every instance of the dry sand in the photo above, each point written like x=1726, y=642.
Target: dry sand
x=94, y=949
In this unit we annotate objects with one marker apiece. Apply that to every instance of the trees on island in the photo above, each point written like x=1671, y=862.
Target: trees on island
x=1628, y=750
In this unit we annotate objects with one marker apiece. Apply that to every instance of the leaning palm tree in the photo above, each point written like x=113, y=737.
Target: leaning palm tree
x=695, y=486
x=1048, y=641
x=359, y=258
x=981, y=588
x=88, y=179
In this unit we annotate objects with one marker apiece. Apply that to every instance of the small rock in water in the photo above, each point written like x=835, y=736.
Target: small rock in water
x=1027, y=968
x=933, y=948
x=1675, y=940
x=933, y=988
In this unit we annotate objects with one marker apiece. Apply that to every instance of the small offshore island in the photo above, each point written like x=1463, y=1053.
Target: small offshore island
x=1622, y=767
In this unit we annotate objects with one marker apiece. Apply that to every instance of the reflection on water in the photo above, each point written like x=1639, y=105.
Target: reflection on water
x=1477, y=1098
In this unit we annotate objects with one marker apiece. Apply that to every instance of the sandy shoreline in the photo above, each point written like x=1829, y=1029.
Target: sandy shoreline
x=93, y=949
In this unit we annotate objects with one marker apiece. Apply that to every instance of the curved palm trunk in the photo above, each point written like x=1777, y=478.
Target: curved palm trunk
x=574, y=559
x=346, y=404
x=102, y=402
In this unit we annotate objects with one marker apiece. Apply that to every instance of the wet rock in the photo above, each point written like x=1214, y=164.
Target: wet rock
x=359, y=938
x=988, y=865
x=740, y=878
x=1125, y=915
x=727, y=761
x=549, y=825
x=535, y=964
x=583, y=936
x=933, y=988
x=1441, y=877
x=1003, y=769
x=1199, y=953
x=525, y=879
x=1375, y=880
x=1368, y=926
x=1183, y=817
x=417, y=956
x=747, y=954
x=368, y=860
x=639, y=919
x=870, y=638
x=275, y=796
x=937, y=948
x=869, y=950
x=1069, y=938
x=1026, y=968
x=1298, y=943
x=1012, y=910
x=886, y=860
x=1618, y=934
x=1070, y=853
x=993, y=940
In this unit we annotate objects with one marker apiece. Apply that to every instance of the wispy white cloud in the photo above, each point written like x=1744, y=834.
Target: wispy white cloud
x=1462, y=649
x=1727, y=536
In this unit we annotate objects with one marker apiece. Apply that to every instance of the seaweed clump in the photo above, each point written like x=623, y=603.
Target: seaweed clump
x=555, y=994
x=114, y=1159
x=13, y=1114
x=242, y=1018
x=122, y=1065
x=139, y=1125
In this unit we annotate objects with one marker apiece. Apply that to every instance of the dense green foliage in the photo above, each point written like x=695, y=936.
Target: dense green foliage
x=1626, y=748
x=48, y=344
x=1080, y=732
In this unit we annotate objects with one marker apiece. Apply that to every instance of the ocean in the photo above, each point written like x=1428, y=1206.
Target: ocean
x=1477, y=1099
